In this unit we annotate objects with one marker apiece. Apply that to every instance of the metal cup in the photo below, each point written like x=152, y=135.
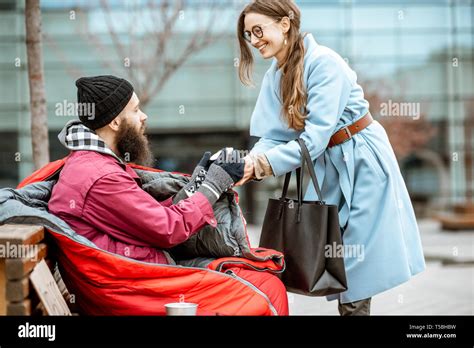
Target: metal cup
x=181, y=308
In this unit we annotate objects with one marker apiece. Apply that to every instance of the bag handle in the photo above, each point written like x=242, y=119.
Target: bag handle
x=312, y=173
x=287, y=182
x=305, y=157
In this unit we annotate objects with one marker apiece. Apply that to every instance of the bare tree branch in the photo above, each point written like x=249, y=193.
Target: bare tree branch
x=97, y=44
x=72, y=69
x=199, y=40
x=151, y=43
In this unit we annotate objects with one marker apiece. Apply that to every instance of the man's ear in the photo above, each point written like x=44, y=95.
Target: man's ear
x=285, y=24
x=115, y=123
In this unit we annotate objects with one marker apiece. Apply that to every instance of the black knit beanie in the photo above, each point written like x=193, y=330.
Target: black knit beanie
x=109, y=94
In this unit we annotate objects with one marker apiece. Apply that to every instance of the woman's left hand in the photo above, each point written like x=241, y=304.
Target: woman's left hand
x=249, y=172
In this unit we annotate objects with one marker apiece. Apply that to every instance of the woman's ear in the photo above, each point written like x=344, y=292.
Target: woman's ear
x=285, y=24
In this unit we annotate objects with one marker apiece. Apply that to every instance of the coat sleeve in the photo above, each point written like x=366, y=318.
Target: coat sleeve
x=132, y=215
x=167, y=202
x=328, y=92
x=265, y=144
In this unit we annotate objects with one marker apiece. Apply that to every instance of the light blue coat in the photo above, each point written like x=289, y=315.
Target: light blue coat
x=361, y=176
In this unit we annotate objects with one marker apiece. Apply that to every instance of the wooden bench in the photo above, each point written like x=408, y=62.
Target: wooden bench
x=22, y=248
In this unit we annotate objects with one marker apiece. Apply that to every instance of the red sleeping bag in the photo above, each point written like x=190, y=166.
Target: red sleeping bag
x=104, y=283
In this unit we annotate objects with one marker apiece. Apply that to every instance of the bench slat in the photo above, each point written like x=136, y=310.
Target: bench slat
x=3, y=281
x=18, y=268
x=21, y=234
x=19, y=308
x=17, y=290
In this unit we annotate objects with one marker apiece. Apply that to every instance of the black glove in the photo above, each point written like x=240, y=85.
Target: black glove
x=196, y=180
x=205, y=161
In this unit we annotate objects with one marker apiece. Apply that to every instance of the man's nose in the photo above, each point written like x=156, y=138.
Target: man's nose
x=143, y=117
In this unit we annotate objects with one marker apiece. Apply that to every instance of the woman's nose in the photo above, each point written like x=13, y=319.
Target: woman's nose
x=254, y=40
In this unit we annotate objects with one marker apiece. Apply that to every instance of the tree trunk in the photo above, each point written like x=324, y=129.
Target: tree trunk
x=39, y=119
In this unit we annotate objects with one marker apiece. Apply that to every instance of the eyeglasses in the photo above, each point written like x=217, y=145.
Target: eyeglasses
x=257, y=31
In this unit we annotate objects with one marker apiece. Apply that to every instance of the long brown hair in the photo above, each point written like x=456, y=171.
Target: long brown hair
x=293, y=91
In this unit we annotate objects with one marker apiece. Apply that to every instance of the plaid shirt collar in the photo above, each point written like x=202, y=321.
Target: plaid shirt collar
x=77, y=137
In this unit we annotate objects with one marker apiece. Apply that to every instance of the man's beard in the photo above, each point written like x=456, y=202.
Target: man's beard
x=133, y=145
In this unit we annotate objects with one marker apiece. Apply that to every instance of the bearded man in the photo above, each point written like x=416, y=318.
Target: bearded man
x=101, y=197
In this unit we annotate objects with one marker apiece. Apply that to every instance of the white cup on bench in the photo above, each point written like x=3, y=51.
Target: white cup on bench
x=181, y=308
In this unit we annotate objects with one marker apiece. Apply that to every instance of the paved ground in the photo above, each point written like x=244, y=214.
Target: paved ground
x=446, y=287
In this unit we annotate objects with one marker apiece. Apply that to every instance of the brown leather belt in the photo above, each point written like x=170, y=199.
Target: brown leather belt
x=346, y=133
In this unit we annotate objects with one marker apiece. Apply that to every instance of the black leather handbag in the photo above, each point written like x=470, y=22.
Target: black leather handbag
x=308, y=234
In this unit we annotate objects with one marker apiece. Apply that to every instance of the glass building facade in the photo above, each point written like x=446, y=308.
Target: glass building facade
x=418, y=53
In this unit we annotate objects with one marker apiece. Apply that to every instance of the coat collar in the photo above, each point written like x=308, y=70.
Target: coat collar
x=75, y=136
x=310, y=45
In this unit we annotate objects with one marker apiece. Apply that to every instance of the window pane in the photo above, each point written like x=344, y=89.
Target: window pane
x=424, y=17
x=375, y=17
x=322, y=18
x=373, y=45
x=463, y=16
x=423, y=45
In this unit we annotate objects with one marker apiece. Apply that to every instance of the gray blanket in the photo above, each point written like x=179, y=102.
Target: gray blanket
x=229, y=238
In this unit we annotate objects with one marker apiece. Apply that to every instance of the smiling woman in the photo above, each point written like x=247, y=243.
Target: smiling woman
x=310, y=94
x=276, y=33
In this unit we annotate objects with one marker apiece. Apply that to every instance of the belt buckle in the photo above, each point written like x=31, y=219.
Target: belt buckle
x=348, y=132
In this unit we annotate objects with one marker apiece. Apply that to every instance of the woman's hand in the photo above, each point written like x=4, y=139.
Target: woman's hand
x=249, y=172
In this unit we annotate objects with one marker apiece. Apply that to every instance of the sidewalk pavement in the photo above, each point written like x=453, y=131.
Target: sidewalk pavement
x=446, y=287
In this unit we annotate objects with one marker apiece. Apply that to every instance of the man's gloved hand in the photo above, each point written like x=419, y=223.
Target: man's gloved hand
x=222, y=175
x=205, y=162
x=197, y=178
